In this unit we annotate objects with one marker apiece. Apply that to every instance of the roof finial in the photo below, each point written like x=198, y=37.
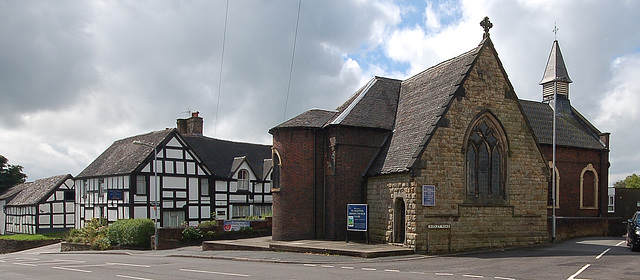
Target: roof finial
x=555, y=31
x=486, y=25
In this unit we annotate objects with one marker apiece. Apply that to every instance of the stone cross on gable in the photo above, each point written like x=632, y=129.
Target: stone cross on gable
x=486, y=25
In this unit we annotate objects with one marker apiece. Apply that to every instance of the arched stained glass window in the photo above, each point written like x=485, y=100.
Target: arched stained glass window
x=485, y=161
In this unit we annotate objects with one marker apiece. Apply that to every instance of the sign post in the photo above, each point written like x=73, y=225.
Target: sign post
x=357, y=219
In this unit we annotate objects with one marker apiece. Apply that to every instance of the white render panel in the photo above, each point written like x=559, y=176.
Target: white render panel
x=193, y=212
x=179, y=167
x=233, y=186
x=221, y=186
x=167, y=194
x=58, y=207
x=139, y=198
x=200, y=171
x=221, y=203
x=51, y=197
x=221, y=196
x=193, y=189
x=58, y=219
x=268, y=199
x=167, y=204
x=147, y=168
x=191, y=168
x=174, y=182
x=180, y=204
x=125, y=213
x=172, y=153
x=181, y=194
x=112, y=215
x=205, y=212
x=69, y=218
x=174, y=143
x=88, y=214
x=168, y=167
x=44, y=208
x=237, y=198
x=140, y=212
x=44, y=219
x=69, y=205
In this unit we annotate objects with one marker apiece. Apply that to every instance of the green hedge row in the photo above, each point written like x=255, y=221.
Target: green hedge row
x=132, y=232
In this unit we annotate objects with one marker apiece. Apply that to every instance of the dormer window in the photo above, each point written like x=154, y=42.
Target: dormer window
x=243, y=180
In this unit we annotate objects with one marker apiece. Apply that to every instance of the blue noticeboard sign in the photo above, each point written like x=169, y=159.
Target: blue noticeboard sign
x=428, y=195
x=357, y=217
x=115, y=195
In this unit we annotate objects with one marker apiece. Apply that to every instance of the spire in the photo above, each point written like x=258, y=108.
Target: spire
x=556, y=71
x=555, y=74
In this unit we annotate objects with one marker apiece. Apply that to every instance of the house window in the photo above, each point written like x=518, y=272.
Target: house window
x=589, y=188
x=102, y=187
x=141, y=185
x=243, y=180
x=204, y=187
x=69, y=195
x=611, y=206
x=485, y=161
x=241, y=211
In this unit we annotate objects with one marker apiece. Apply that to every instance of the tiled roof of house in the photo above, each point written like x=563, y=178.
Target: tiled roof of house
x=424, y=98
x=314, y=118
x=219, y=155
x=573, y=130
x=34, y=192
x=123, y=157
x=12, y=191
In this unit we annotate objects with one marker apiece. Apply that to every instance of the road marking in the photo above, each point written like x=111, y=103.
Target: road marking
x=602, y=254
x=573, y=277
x=215, y=272
x=620, y=243
x=131, y=277
x=504, y=278
x=472, y=276
x=327, y=266
x=444, y=274
x=391, y=270
x=368, y=269
x=347, y=267
x=25, y=264
x=128, y=264
x=71, y=269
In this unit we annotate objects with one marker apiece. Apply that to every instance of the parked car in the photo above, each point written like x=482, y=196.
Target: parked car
x=633, y=232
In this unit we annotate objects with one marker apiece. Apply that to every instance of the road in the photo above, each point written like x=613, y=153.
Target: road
x=590, y=258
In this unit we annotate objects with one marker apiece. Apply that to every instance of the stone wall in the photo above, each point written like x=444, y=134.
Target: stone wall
x=10, y=246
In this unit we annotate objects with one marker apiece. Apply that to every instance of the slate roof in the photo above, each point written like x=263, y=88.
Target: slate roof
x=424, y=99
x=573, y=130
x=9, y=193
x=34, y=192
x=219, y=155
x=123, y=157
x=372, y=106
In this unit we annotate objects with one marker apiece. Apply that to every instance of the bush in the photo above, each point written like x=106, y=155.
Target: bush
x=191, y=234
x=206, y=224
x=101, y=243
x=91, y=231
x=131, y=232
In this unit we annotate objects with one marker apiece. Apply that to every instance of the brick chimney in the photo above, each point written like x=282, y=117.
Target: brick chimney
x=192, y=125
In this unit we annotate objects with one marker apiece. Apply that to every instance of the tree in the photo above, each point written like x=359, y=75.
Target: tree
x=631, y=182
x=10, y=175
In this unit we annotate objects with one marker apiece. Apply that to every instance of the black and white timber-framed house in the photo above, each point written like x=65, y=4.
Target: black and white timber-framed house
x=194, y=176
x=45, y=205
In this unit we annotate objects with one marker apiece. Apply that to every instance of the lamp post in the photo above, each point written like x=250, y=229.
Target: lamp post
x=155, y=188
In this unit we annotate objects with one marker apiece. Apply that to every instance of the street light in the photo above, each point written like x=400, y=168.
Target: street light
x=155, y=188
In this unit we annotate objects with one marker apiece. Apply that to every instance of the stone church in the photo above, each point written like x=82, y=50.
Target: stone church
x=445, y=160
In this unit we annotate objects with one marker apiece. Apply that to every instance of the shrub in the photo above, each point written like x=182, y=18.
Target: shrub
x=101, y=243
x=191, y=234
x=207, y=224
x=131, y=232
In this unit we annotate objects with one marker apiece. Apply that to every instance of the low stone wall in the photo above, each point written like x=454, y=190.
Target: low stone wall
x=10, y=246
x=69, y=246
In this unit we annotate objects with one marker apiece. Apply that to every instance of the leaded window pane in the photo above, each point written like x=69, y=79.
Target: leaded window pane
x=495, y=173
x=471, y=170
x=483, y=171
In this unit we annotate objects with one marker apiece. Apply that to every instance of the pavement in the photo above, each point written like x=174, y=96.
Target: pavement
x=263, y=249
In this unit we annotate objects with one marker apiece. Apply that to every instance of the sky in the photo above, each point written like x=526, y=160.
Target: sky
x=75, y=76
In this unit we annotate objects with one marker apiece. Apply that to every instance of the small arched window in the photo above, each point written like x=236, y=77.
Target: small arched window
x=275, y=174
x=243, y=180
x=485, y=161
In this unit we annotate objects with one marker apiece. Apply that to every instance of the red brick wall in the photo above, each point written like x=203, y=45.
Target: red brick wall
x=570, y=162
x=354, y=150
x=293, y=203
